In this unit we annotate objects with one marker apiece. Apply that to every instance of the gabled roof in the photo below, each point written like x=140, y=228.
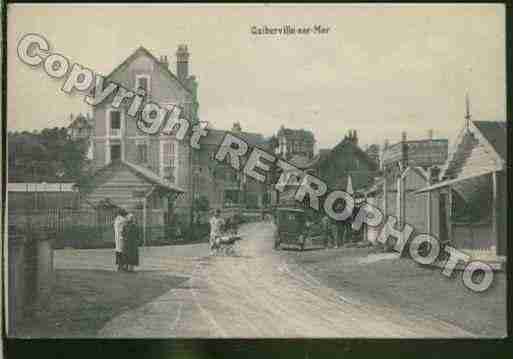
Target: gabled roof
x=324, y=151
x=144, y=51
x=153, y=177
x=421, y=172
x=87, y=181
x=495, y=133
x=216, y=136
x=358, y=151
x=303, y=162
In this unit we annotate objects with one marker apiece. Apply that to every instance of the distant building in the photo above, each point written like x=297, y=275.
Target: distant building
x=423, y=153
x=373, y=152
x=345, y=167
x=219, y=182
x=295, y=142
x=406, y=167
x=81, y=127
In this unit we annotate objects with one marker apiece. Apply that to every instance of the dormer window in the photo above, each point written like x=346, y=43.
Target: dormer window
x=142, y=82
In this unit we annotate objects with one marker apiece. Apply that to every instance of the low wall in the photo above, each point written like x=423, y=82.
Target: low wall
x=30, y=277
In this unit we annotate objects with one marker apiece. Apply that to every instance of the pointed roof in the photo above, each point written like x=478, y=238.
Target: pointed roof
x=495, y=133
x=87, y=182
x=216, y=136
x=347, y=142
x=162, y=67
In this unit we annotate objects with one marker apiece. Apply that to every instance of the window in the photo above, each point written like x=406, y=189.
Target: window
x=142, y=153
x=231, y=198
x=168, y=160
x=115, y=152
x=114, y=123
x=142, y=82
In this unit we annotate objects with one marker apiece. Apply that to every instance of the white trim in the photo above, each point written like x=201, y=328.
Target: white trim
x=107, y=151
x=140, y=142
x=175, y=161
x=145, y=76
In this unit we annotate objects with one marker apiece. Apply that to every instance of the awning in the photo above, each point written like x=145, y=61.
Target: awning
x=450, y=182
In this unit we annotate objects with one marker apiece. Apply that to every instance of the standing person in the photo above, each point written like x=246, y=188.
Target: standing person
x=216, y=224
x=130, y=243
x=119, y=222
x=341, y=233
x=326, y=227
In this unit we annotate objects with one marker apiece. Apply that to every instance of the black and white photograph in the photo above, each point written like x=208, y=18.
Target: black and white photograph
x=255, y=171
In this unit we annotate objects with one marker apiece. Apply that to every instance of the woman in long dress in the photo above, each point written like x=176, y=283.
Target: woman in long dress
x=130, y=244
x=119, y=223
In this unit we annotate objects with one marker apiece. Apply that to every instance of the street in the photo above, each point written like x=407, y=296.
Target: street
x=259, y=293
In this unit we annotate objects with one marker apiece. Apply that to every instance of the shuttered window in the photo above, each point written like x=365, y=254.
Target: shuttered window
x=169, y=160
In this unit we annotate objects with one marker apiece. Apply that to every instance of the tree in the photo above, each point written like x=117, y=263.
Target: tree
x=46, y=156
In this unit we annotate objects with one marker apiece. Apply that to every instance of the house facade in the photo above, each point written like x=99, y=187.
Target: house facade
x=123, y=156
x=292, y=142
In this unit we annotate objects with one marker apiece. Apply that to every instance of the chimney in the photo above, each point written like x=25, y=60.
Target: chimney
x=430, y=134
x=182, y=63
x=164, y=61
x=404, y=150
x=236, y=127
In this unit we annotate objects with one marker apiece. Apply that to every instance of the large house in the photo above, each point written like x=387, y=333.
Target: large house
x=139, y=171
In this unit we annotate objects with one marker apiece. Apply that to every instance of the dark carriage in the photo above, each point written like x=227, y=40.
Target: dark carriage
x=295, y=227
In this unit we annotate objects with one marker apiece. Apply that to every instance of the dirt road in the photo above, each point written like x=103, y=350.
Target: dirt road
x=262, y=294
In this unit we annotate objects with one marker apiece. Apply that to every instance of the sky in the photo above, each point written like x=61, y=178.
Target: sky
x=380, y=69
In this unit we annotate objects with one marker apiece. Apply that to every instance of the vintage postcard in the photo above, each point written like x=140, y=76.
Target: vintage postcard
x=255, y=171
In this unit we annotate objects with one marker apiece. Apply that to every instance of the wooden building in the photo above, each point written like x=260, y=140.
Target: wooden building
x=473, y=191
x=407, y=167
x=136, y=189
